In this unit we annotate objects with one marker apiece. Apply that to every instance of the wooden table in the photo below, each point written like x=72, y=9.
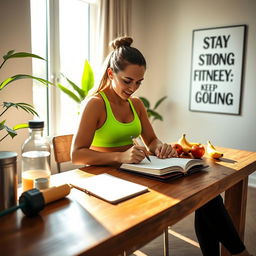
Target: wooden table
x=84, y=225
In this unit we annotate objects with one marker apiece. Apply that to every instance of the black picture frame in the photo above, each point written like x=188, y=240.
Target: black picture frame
x=217, y=69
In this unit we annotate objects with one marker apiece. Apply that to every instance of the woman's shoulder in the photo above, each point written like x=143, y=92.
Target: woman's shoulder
x=94, y=101
x=137, y=103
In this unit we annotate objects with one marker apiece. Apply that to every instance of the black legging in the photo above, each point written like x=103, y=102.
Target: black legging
x=214, y=225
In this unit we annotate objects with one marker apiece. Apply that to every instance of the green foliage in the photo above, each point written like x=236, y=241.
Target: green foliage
x=77, y=93
x=20, y=105
x=87, y=78
x=12, y=54
x=152, y=114
x=21, y=76
x=25, y=106
x=11, y=131
x=69, y=92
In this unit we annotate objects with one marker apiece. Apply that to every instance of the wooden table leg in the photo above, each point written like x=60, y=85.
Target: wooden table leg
x=235, y=202
x=166, y=242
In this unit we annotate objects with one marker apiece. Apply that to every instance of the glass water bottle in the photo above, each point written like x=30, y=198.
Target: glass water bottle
x=35, y=156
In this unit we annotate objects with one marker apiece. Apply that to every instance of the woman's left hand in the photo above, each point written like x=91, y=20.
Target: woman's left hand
x=164, y=150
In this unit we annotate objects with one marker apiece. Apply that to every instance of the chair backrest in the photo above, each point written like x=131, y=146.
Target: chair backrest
x=61, y=148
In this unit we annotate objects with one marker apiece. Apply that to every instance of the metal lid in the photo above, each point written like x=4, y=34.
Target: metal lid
x=35, y=124
x=41, y=183
x=7, y=157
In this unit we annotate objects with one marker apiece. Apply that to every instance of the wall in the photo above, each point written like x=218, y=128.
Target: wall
x=162, y=29
x=163, y=32
x=15, y=34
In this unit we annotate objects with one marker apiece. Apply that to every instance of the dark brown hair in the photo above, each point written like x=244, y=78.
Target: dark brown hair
x=122, y=55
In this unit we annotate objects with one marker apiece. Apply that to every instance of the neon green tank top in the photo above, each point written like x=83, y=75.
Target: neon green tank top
x=114, y=133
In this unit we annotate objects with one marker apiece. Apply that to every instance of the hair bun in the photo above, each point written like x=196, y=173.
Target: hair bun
x=121, y=41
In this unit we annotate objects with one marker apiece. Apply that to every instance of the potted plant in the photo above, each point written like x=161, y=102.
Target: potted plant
x=4, y=128
x=8, y=159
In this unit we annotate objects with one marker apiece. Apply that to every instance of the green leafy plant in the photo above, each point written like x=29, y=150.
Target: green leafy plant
x=152, y=113
x=78, y=93
x=19, y=105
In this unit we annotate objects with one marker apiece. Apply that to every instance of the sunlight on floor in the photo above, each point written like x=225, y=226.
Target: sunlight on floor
x=179, y=236
x=184, y=238
x=139, y=253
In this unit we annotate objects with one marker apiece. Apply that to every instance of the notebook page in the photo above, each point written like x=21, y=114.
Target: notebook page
x=157, y=163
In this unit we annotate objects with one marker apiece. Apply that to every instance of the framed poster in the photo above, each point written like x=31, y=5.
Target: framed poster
x=217, y=69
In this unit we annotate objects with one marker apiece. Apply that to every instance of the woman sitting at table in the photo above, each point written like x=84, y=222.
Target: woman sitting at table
x=112, y=115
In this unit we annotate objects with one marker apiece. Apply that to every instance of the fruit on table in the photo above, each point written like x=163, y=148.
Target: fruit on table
x=178, y=148
x=212, y=151
x=186, y=145
x=197, y=151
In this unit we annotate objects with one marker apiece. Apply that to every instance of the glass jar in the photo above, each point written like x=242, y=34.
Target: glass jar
x=36, y=153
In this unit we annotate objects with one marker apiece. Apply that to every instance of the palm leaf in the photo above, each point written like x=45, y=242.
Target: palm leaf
x=155, y=115
x=148, y=113
x=69, y=93
x=8, y=54
x=11, y=54
x=159, y=102
x=22, y=76
x=158, y=117
x=87, y=78
x=77, y=89
x=25, y=106
x=2, y=125
x=145, y=102
x=20, y=126
x=28, y=110
x=10, y=131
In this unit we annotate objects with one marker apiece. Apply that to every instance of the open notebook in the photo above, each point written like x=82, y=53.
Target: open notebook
x=165, y=168
x=109, y=188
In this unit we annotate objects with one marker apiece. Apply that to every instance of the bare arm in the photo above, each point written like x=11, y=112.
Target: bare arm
x=81, y=152
x=155, y=146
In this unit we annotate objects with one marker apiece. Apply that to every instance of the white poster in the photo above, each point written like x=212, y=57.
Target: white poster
x=217, y=68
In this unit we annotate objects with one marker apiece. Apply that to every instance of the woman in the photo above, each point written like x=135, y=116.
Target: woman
x=112, y=116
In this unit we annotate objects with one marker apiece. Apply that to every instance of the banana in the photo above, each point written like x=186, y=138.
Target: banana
x=194, y=143
x=212, y=151
x=190, y=144
x=186, y=145
x=183, y=142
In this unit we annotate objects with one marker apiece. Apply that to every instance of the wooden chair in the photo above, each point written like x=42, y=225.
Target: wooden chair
x=61, y=148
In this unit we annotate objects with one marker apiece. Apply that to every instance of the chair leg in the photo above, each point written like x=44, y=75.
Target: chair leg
x=166, y=244
x=58, y=167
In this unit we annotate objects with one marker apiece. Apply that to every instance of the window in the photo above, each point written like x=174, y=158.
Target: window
x=39, y=46
x=60, y=33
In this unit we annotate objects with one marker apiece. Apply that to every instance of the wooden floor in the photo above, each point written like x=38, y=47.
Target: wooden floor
x=183, y=241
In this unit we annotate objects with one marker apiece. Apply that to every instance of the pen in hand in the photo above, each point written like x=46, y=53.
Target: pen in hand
x=135, y=142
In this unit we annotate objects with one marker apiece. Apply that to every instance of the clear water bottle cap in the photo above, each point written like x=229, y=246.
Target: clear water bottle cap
x=35, y=124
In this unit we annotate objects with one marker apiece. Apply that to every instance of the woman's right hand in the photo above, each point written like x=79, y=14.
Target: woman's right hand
x=133, y=155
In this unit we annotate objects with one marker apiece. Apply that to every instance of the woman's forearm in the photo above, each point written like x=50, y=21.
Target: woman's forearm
x=154, y=144
x=92, y=157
